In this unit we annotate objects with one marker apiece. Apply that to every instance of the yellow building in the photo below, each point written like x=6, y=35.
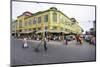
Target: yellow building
x=52, y=21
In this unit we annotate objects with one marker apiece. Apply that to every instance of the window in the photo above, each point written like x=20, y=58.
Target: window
x=16, y=24
x=54, y=17
x=46, y=27
x=39, y=19
x=54, y=28
x=61, y=19
x=25, y=23
x=39, y=28
x=46, y=18
x=29, y=29
x=66, y=30
x=34, y=20
x=66, y=22
x=62, y=28
x=29, y=22
x=34, y=28
x=20, y=23
x=20, y=30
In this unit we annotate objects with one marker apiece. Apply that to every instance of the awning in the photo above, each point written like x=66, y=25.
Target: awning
x=52, y=31
x=41, y=31
x=26, y=32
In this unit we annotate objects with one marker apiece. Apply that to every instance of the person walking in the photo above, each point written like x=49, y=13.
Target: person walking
x=80, y=40
x=45, y=44
x=77, y=38
x=48, y=37
x=93, y=41
x=66, y=41
x=25, y=45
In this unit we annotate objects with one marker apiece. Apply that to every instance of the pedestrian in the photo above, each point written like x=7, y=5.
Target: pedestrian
x=93, y=41
x=59, y=38
x=37, y=47
x=45, y=44
x=77, y=38
x=66, y=41
x=25, y=45
x=80, y=40
x=54, y=38
x=48, y=38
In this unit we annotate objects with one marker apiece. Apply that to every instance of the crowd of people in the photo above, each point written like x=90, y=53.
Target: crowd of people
x=91, y=39
x=25, y=44
x=79, y=40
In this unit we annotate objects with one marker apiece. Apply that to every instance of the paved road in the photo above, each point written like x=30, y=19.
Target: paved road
x=57, y=52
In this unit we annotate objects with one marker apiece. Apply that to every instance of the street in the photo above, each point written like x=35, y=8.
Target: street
x=57, y=52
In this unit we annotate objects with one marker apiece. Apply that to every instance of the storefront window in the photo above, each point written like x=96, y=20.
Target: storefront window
x=39, y=28
x=34, y=28
x=65, y=29
x=29, y=29
x=46, y=27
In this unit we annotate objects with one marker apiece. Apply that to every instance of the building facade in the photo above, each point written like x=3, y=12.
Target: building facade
x=52, y=21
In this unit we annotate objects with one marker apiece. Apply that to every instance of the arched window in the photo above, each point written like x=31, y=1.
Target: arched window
x=54, y=17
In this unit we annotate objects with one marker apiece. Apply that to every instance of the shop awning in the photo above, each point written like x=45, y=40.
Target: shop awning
x=26, y=32
x=52, y=31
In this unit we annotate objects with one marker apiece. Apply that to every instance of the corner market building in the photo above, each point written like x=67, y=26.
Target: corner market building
x=52, y=21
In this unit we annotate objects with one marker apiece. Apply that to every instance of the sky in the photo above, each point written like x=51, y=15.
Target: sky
x=85, y=15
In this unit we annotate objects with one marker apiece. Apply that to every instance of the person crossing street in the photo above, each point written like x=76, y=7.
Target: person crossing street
x=25, y=45
x=45, y=44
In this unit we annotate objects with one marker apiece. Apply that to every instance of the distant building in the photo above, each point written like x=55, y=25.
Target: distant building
x=52, y=21
x=13, y=27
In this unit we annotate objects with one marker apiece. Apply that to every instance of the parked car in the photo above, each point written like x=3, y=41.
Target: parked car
x=70, y=37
